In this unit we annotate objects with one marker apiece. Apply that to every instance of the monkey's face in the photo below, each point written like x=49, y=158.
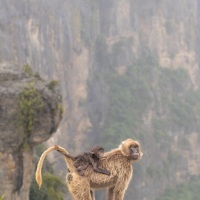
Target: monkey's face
x=101, y=153
x=135, y=151
x=98, y=151
x=131, y=148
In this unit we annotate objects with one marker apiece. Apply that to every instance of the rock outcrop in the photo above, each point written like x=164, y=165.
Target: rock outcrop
x=30, y=112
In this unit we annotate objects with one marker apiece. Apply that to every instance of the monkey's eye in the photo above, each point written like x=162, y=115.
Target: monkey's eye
x=136, y=146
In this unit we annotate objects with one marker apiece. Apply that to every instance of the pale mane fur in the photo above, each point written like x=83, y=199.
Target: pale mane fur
x=118, y=161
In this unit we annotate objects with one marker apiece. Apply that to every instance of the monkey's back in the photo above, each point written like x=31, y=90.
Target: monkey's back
x=114, y=162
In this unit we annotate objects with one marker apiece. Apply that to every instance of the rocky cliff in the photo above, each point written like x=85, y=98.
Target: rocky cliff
x=85, y=43
x=29, y=115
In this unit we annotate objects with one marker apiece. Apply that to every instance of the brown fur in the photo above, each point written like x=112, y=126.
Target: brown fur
x=118, y=162
x=82, y=161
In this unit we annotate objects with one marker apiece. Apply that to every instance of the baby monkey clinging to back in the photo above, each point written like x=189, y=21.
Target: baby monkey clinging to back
x=82, y=161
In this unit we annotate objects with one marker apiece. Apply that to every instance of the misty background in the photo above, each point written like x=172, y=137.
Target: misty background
x=126, y=69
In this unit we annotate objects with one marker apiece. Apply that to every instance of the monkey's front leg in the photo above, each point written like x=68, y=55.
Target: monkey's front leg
x=110, y=193
x=103, y=171
x=92, y=194
x=118, y=195
x=118, y=191
x=115, y=195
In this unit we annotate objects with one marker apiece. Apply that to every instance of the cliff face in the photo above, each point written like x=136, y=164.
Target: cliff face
x=29, y=115
x=60, y=39
x=74, y=41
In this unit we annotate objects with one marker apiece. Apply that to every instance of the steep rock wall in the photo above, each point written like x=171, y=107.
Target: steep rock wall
x=59, y=40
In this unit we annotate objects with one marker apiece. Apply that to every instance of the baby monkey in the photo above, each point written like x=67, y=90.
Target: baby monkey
x=82, y=161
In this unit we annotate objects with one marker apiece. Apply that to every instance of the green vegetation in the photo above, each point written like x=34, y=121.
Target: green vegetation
x=146, y=93
x=52, y=84
x=2, y=197
x=53, y=187
x=37, y=75
x=186, y=191
x=27, y=69
x=129, y=97
x=30, y=104
x=61, y=109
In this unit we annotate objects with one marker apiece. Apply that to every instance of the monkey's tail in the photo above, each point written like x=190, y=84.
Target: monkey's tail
x=68, y=158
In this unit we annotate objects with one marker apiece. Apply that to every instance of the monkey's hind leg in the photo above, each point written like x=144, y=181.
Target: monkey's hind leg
x=92, y=194
x=78, y=186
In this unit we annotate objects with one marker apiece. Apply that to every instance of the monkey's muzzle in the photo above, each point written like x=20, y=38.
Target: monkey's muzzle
x=135, y=156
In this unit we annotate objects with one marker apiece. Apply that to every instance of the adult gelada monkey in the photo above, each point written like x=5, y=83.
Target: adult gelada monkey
x=118, y=161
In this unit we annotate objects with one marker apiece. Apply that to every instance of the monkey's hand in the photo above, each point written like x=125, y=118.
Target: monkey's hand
x=107, y=172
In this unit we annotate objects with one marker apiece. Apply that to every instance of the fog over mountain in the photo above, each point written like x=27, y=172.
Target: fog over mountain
x=127, y=68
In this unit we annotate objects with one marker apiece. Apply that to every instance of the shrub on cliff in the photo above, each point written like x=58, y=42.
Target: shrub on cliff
x=1, y=198
x=53, y=188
